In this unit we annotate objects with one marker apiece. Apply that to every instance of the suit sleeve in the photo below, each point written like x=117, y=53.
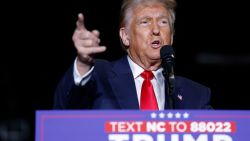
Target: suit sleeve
x=70, y=96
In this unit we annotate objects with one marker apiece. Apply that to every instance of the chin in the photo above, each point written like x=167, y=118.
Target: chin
x=156, y=58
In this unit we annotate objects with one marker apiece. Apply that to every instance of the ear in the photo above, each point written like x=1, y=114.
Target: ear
x=124, y=36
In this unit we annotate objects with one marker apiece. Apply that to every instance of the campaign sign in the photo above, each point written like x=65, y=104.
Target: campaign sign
x=128, y=125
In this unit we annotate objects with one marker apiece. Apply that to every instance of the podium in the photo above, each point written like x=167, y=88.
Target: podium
x=135, y=125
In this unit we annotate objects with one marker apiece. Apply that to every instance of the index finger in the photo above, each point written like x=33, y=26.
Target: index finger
x=80, y=22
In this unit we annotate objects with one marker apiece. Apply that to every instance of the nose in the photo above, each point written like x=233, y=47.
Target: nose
x=156, y=29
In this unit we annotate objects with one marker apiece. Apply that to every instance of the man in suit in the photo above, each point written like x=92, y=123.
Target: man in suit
x=145, y=26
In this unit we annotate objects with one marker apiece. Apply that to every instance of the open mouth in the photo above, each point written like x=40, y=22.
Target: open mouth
x=156, y=43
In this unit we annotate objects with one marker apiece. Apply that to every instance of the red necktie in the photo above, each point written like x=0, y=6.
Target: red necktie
x=148, y=99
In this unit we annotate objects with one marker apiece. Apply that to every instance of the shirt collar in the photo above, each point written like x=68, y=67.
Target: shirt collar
x=137, y=70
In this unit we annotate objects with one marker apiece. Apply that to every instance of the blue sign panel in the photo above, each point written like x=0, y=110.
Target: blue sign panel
x=126, y=125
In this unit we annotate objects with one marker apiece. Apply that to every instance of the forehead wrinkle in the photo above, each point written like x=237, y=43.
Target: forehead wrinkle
x=150, y=13
x=138, y=6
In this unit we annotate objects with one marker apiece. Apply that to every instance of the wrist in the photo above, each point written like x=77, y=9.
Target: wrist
x=83, y=66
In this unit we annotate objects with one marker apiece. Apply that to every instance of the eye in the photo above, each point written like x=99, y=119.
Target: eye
x=144, y=22
x=163, y=22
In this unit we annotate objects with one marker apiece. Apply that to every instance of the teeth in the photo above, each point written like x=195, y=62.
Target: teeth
x=156, y=42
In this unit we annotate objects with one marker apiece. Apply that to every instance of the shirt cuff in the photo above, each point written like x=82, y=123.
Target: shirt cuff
x=81, y=80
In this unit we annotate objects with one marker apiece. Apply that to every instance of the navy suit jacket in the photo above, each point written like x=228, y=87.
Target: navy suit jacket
x=112, y=86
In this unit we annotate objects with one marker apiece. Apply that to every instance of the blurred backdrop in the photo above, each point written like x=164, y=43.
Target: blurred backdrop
x=211, y=45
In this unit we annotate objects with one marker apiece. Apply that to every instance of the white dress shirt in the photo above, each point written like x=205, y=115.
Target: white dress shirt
x=157, y=81
x=78, y=79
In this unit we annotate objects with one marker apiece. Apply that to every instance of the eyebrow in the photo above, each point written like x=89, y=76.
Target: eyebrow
x=160, y=16
x=149, y=17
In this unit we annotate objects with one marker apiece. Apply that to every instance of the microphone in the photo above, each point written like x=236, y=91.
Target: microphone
x=168, y=61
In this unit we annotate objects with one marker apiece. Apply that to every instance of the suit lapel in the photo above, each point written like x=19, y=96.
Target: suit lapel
x=123, y=85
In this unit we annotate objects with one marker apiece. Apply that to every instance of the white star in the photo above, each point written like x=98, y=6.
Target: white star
x=185, y=115
x=161, y=115
x=170, y=115
x=177, y=115
x=153, y=115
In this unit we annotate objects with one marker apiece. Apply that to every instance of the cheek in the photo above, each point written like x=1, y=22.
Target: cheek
x=167, y=36
x=140, y=37
x=143, y=36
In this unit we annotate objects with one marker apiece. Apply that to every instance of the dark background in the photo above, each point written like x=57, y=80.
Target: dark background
x=211, y=45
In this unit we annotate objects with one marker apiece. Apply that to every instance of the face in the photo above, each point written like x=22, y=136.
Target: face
x=145, y=33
